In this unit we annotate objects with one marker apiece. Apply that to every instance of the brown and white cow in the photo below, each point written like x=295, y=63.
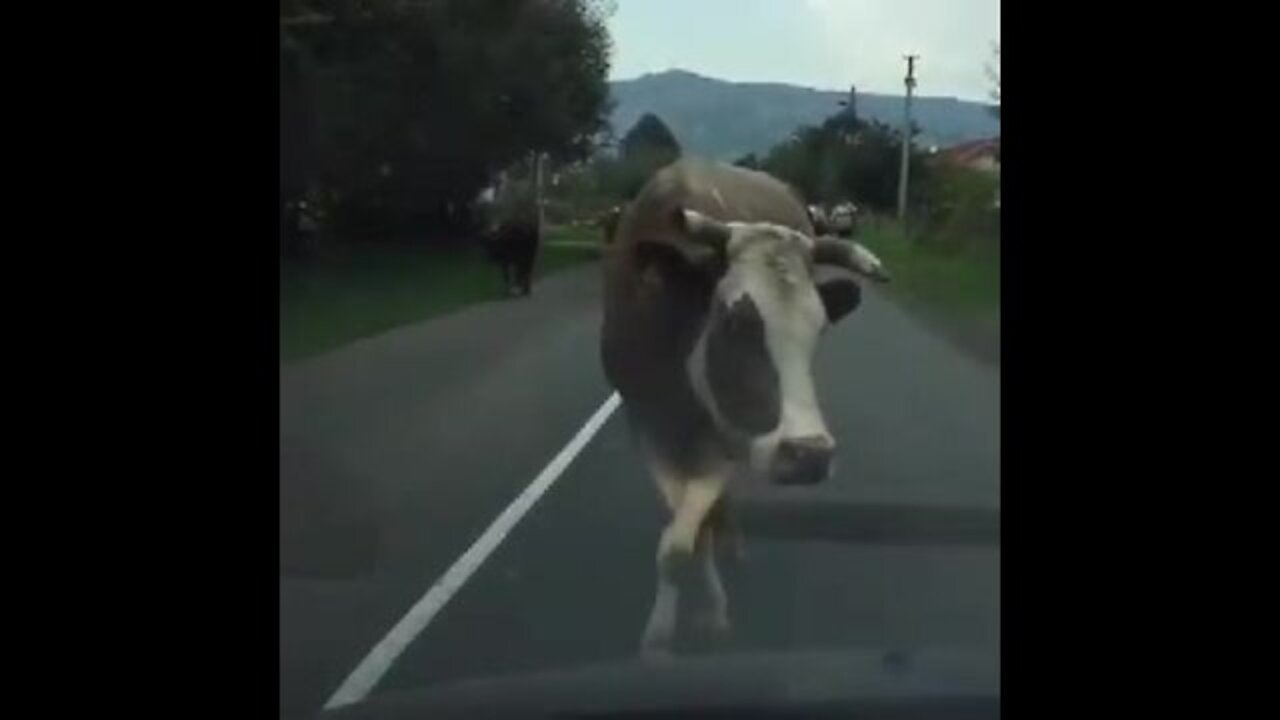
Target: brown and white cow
x=712, y=315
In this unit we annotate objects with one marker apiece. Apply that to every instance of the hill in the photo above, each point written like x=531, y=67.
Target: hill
x=726, y=120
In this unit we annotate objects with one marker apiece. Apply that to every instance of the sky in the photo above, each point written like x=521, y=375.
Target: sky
x=826, y=44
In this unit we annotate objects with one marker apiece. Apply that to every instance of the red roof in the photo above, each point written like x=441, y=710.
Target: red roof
x=966, y=153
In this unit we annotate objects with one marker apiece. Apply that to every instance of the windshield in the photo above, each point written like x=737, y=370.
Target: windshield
x=639, y=335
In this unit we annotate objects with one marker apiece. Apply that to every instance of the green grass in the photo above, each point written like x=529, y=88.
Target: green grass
x=355, y=292
x=577, y=236
x=959, y=287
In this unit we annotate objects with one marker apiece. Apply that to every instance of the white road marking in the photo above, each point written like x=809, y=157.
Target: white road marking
x=365, y=677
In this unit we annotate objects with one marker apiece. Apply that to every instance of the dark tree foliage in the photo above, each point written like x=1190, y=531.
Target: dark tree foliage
x=647, y=146
x=649, y=136
x=846, y=158
x=397, y=112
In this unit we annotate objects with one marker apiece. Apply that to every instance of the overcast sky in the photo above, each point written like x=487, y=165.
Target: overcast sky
x=826, y=44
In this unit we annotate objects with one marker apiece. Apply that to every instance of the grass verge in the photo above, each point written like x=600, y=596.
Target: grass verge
x=956, y=288
x=355, y=292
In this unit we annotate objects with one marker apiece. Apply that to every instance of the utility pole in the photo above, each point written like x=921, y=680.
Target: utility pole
x=906, y=138
x=852, y=102
x=542, y=216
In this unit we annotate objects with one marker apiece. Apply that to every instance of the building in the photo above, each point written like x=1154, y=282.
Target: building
x=977, y=154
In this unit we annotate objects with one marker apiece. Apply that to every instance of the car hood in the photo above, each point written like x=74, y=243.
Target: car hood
x=934, y=683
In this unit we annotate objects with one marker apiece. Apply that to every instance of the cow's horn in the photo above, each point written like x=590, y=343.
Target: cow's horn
x=849, y=255
x=702, y=228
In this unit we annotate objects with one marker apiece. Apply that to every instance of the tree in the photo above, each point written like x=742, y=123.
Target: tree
x=647, y=146
x=413, y=106
x=749, y=161
x=649, y=136
x=846, y=158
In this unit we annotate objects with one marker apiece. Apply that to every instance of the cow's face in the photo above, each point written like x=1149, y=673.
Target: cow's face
x=752, y=364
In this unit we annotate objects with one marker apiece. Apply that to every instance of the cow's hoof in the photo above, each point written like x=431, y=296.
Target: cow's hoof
x=656, y=646
x=714, y=626
x=656, y=653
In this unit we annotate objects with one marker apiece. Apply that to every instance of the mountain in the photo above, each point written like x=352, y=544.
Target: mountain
x=726, y=120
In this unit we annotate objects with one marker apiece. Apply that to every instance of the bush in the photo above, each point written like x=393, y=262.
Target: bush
x=557, y=212
x=960, y=213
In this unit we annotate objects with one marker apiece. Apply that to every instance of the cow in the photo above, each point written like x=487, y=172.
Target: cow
x=511, y=234
x=513, y=245
x=712, y=313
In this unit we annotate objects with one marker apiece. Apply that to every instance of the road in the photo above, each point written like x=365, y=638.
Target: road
x=397, y=451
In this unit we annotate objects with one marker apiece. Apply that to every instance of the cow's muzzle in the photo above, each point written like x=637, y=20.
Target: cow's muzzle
x=803, y=460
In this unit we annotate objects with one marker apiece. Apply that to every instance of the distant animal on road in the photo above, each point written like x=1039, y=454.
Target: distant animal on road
x=510, y=233
x=513, y=246
x=713, y=310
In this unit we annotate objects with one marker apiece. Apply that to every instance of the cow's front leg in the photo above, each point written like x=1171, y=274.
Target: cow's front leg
x=713, y=620
x=727, y=532
x=692, y=500
x=677, y=548
x=512, y=274
x=660, y=630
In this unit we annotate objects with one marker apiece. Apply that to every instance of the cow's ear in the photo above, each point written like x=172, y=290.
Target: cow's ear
x=697, y=245
x=851, y=256
x=840, y=295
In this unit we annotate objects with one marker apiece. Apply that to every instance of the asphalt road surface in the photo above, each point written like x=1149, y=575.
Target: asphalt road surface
x=396, y=452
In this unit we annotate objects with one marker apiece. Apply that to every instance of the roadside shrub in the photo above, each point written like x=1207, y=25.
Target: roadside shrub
x=960, y=212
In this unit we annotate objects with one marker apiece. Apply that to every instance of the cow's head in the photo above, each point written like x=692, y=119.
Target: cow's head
x=751, y=366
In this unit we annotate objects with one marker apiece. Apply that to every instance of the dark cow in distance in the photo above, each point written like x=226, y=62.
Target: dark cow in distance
x=713, y=310
x=510, y=233
x=513, y=245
